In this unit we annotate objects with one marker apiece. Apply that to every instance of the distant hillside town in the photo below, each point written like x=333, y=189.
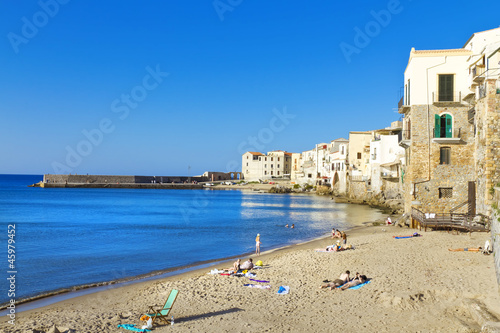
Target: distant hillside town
x=440, y=160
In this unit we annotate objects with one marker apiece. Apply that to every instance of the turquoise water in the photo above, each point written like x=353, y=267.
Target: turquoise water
x=73, y=237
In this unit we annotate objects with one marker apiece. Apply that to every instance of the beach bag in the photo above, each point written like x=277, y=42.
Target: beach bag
x=259, y=263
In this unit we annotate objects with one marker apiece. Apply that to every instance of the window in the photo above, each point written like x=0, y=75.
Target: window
x=278, y=173
x=309, y=175
x=445, y=192
x=271, y=173
x=255, y=157
x=271, y=166
x=444, y=155
x=278, y=159
x=443, y=126
x=445, y=88
x=247, y=163
x=260, y=159
x=265, y=165
x=265, y=172
x=278, y=166
x=359, y=156
x=265, y=158
x=272, y=159
x=342, y=150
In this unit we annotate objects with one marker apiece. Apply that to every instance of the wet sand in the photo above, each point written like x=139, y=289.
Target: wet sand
x=417, y=285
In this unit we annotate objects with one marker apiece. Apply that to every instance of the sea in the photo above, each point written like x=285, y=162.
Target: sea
x=66, y=239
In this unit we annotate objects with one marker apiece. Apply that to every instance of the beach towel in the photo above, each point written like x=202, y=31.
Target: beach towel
x=258, y=286
x=408, y=236
x=261, y=281
x=250, y=274
x=283, y=290
x=360, y=285
x=132, y=327
x=215, y=271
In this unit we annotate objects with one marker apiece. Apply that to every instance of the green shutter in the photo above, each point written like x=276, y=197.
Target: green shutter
x=449, y=133
x=437, y=126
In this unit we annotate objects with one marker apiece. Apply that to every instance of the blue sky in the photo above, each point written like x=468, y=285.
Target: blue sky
x=180, y=87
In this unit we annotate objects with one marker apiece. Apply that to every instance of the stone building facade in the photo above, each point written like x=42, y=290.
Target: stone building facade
x=438, y=170
x=487, y=144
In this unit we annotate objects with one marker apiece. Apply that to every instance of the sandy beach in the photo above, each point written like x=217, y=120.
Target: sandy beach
x=417, y=285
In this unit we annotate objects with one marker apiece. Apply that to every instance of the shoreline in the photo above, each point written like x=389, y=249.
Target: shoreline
x=430, y=290
x=59, y=295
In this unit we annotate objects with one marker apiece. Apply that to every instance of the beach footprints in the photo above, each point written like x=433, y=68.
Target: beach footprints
x=404, y=301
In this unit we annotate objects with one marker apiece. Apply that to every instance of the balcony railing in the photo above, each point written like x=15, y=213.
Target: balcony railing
x=438, y=97
x=456, y=133
x=389, y=174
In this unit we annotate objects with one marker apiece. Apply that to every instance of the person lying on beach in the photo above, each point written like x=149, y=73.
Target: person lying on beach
x=467, y=249
x=359, y=279
x=247, y=265
x=344, y=277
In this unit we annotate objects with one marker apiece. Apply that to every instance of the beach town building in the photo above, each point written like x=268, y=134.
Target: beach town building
x=484, y=95
x=296, y=171
x=386, y=158
x=338, y=161
x=261, y=167
x=450, y=125
x=358, y=181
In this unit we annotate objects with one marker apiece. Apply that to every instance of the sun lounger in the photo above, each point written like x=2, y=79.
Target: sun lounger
x=163, y=313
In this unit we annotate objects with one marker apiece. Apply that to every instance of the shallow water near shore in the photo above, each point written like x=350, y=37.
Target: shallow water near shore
x=72, y=237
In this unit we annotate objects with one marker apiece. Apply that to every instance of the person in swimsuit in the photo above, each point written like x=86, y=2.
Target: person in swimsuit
x=359, y=279
x=257, y=244
x=344, y=277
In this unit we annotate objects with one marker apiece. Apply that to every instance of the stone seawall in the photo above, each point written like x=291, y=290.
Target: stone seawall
x=171, y=186
x=110, y=179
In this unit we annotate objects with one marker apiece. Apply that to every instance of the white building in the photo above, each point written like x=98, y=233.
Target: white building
x=259, y=167
x=386, y=158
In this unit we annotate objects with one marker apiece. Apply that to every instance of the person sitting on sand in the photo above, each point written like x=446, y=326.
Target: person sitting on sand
x=236, y=265
x=467, y=249
x=344, y=277
x=359, y=279
x=247, y=265
x=344, y=237
x=334, y=231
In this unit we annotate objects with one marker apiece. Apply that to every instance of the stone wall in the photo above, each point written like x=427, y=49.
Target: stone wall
x=495, y=232
x=487, y=142
x=108, y=179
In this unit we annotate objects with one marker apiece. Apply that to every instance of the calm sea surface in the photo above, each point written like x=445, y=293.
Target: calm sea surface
x=73, y=237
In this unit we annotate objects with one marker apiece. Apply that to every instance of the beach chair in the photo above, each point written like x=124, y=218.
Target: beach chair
x=162, y=314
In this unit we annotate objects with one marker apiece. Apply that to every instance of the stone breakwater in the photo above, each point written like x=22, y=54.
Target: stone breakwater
x=110, y=181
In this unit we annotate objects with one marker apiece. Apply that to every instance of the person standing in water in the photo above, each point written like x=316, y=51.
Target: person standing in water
x=257, y=244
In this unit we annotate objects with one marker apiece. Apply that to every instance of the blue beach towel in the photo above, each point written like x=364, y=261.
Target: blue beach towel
x=360, y=285
x=283, y=290
x=131, y=327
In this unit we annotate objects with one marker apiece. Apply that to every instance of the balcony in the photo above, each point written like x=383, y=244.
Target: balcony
x=456, y=137
x=405, y=138
x=445, y=98
x=389, y=174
